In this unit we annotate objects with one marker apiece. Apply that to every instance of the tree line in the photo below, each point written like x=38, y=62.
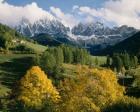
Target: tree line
x=122, y=61
x=52, y=59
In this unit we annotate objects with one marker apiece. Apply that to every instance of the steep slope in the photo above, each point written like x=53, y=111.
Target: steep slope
x=10, y=39
x=131, y=45
x=9, y=31
x=97, y=33
x=51, y=27
x=7, y=36
x=89, y=34
x=46, y=39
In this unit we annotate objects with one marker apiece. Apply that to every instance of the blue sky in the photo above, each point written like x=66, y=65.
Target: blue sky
x=65, y=5
x=71, y=12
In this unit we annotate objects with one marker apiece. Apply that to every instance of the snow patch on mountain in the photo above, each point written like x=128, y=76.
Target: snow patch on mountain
x=90, y=33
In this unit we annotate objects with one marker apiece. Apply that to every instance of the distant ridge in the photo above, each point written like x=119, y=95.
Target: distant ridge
x=130, y=45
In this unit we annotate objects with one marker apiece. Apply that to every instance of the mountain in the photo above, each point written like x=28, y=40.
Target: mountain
x=131, y=45
x=45, y=39
x=52, y=27
x=90, y=35
x=97, y=33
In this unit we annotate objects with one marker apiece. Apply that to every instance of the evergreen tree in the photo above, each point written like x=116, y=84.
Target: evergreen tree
x=68, y=55
x=117, y=63
x=96, y=61
x=127, y=61
x=76, y=55
x=135, y=61
x=57, y=52
x=108, y=61
x=48, y=62
x=59, y=56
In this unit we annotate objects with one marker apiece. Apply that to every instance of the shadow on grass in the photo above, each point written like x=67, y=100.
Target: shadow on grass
x=14, y=70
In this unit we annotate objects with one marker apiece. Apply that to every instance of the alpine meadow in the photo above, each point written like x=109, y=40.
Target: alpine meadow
x=70, y=56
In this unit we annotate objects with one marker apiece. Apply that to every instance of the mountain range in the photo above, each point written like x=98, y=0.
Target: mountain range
x=130, y=45
x=83, y=34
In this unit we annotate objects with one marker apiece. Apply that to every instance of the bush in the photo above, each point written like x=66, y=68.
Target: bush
x=126, y=104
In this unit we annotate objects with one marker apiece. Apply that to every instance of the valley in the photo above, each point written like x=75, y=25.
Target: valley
x=83, y=59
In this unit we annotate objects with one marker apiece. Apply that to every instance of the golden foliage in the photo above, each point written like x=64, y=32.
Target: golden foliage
x=35, y=88
x=90, y=89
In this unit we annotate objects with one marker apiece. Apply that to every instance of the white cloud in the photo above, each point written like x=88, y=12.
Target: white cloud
x=1, y=1
x=66, y=19
x=12, y=15
x=75, y=7
x=117, y=11
x=120, y=12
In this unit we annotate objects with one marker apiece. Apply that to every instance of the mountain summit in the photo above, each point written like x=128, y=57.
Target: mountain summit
x=91, y=34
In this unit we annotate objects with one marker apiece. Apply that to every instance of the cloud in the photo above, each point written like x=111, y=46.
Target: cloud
x=12, y=15
x=67, y=19
x=75, y=7
x=120, y=12
x=1, y=1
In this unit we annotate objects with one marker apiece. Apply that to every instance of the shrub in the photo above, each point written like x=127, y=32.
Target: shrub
x=126, y=104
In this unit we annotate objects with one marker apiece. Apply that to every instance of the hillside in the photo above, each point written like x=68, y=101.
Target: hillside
x=7, y=35
x=56, y=40
x=93, y=33
x=46, y=39
x=11, y=40
x=131, y=45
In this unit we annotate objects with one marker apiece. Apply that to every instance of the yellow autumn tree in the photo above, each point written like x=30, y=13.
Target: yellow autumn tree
x=90, y=90
x=35, y=88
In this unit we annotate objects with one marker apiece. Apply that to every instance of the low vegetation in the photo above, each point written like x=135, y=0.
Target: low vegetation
x=36, y=78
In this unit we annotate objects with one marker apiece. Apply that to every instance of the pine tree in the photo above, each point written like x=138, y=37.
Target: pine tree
x=47, y=62
x=96, y=61
x=68, y=55
x=108, y=61
x=135, y=61
x=117, y=63
x=127, y=60
x=57, y=53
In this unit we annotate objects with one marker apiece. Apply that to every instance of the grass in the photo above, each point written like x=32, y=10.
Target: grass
x=10, y=57
x=38, y=48
x=137, y=71
x=70, y=70
x=3, y=90
x=12, y=68
x=101, y=59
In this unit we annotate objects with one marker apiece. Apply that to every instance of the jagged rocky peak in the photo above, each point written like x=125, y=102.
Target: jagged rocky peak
x=88, y=29
x=95, y=33
x=45, y=25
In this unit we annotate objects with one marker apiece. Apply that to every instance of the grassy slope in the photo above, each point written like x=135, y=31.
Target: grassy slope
x=101, y=59
x=12, y=68
x=131, y=45
x=37, y=47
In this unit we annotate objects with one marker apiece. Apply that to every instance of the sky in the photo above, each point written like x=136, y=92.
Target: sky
x=72, y=12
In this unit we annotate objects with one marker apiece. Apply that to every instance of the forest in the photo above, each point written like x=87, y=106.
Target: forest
x=65, y=78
